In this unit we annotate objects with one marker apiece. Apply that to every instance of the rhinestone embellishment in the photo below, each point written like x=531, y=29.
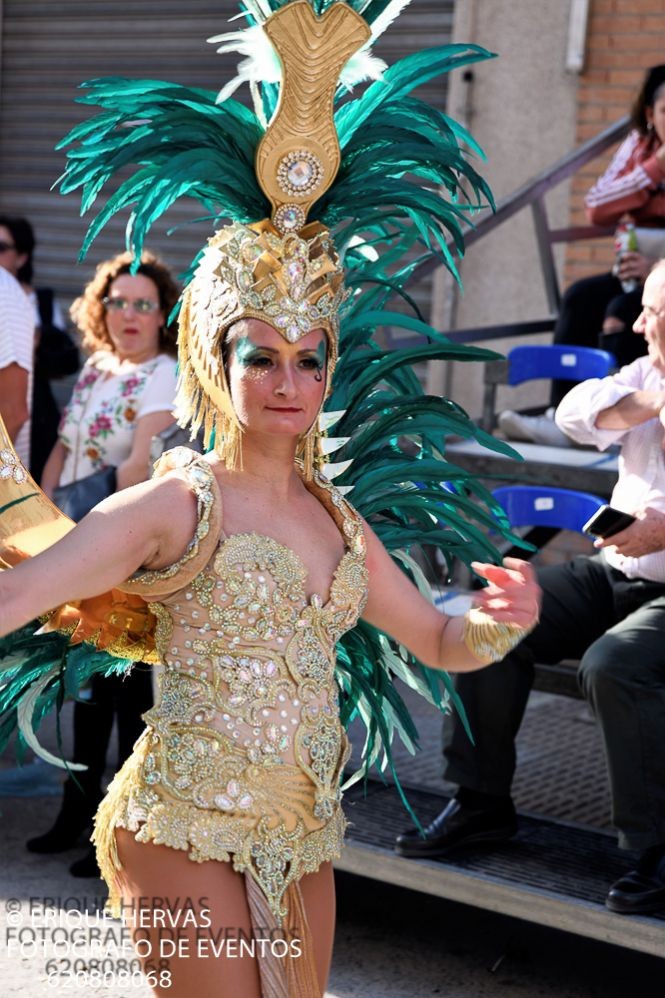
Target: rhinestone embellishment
x=289, y=218
x=299, y=172
x=11, y=467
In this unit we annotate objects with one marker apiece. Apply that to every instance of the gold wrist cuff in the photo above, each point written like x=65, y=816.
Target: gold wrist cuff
x=487, y=638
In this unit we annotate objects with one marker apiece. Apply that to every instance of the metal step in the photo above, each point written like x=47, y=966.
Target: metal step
x=552, y=873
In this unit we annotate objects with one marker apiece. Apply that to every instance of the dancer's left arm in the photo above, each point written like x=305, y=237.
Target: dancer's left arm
x=396, y=606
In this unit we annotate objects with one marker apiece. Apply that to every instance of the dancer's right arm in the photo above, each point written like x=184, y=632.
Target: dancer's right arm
x=148, y=525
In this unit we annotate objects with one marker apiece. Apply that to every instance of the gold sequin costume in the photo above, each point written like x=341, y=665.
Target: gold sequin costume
x=242, y=754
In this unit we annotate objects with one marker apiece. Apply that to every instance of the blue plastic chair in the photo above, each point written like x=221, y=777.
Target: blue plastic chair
x=564, y=363
x=546, y=361
x=536, y=506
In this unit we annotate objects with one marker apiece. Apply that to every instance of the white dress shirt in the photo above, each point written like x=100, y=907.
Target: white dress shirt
x=641, y=479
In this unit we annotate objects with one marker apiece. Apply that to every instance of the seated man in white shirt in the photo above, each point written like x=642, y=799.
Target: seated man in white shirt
x=608, y=611
x=17, y=343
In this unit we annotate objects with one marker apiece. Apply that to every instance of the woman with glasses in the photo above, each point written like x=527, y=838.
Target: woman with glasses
x=125, y=392
x=123, y=397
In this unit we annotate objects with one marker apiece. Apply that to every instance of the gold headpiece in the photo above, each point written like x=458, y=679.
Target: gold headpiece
x=293, y=282
x=282, y=270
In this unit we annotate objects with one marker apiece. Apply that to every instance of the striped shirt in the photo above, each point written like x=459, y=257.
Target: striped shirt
x=641, y=479
x=17, y=344
x=634, y=183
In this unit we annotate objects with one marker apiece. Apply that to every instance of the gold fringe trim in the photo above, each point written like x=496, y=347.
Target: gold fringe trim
x=293, y=976
x=103, y=835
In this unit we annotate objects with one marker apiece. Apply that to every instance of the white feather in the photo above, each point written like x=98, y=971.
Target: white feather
x=363, y=248
x=258, y=103
x=385, y=19
x=363, y=65
x=25, y=714
x=261, y=64
x=360, y=67
x=336, y=468
x=328, y=419
x=330, y=444
x=258, y=9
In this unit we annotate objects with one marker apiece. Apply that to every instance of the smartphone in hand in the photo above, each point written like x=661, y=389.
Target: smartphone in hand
x=607, y=521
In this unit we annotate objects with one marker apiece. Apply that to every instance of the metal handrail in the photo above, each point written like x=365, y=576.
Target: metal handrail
x=532, y=194
x=536, y=188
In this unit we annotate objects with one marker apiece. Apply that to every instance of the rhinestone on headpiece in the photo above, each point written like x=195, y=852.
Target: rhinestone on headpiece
x=294, y=281
x=299, y=172
x=289, y=218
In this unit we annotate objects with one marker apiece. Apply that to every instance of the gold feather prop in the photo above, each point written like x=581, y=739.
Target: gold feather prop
x=29, y=524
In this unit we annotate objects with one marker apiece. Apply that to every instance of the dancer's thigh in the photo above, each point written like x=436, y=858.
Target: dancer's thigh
x=318, y=894
x=159, y=877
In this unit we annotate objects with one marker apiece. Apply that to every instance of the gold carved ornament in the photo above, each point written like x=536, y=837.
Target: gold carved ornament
x=299, y=155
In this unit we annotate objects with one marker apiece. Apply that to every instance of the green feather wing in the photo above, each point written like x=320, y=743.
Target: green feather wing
x=38, y=672
x=407, y=489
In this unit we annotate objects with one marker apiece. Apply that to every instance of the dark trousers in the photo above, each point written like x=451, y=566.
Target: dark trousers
x=124, y=697
x=584, y=306
x=616, y=627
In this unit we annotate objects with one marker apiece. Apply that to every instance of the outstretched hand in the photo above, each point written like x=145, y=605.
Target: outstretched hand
x=513, y=594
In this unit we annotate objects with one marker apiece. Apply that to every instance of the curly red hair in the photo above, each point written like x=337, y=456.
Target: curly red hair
x=88, y=310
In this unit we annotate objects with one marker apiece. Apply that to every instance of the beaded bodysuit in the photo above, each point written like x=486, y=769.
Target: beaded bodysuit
x=243, y=751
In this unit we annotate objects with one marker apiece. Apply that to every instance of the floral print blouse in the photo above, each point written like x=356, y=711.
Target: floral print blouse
x=97, y=426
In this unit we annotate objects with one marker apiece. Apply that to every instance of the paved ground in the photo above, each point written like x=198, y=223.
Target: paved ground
x=390, y=943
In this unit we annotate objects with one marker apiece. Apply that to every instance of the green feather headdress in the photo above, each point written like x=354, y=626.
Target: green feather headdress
x=402, y=192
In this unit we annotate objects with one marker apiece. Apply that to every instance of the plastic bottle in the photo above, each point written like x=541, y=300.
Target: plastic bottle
x=625, y=241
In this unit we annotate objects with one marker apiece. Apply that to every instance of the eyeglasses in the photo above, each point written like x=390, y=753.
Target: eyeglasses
x=141, y=305
x=6, y=246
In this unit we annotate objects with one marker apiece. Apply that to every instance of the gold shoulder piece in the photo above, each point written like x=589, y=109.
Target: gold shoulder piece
x=299, y=156
x=29, y=521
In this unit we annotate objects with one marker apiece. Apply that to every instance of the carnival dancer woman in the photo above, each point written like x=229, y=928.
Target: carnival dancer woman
x=254, y=565
x=241, y=757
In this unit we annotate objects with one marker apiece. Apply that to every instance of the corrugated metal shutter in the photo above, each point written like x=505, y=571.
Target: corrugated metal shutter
x=49, y=48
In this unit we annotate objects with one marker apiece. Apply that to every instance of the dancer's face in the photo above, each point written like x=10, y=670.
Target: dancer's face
x=276, y=387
